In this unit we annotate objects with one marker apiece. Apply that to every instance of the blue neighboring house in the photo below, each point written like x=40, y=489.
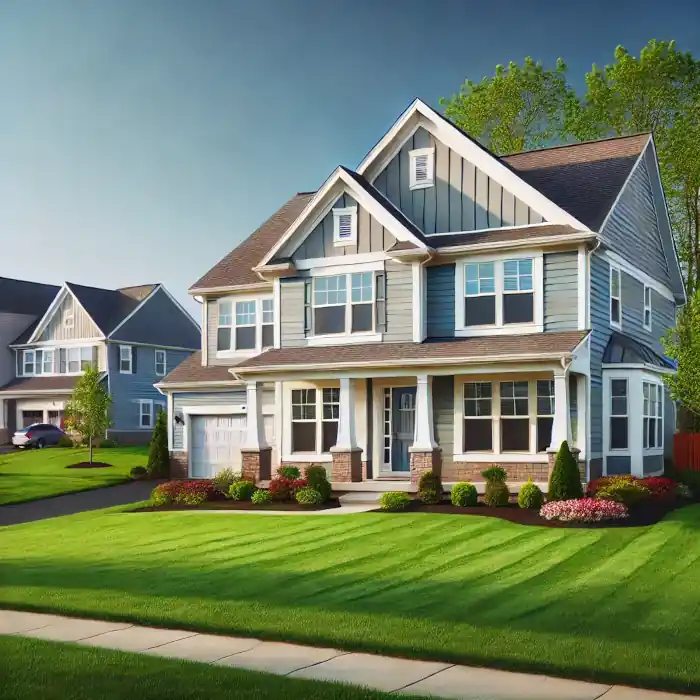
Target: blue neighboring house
x=134, y=335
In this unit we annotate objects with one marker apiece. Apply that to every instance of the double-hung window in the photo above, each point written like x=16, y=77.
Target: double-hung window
x=361, y=301
x=160, y=363
x=315, y=426
x=43, y=361
x=125, y=357
x=336, y=311
x=518, y=296
x=29, y=360
x=146, y=413
x=480, y=294
x=647, y=308
x=653, y=415
x=545, y=413
x=515, y=417
x=478, y=421
x=268, y=323
x=619, y=414
x=329, y=418
x=245, y=324
x=615, y=298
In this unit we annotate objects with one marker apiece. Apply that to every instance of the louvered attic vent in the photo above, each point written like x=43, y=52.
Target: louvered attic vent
x=345, y=226
x=422, y=168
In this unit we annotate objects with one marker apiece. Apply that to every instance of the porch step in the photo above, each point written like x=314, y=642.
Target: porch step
x=356, y=498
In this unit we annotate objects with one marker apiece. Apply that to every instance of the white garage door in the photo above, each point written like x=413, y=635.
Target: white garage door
x=216, y=442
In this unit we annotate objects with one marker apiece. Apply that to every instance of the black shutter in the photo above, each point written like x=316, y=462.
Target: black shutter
x=308, y=323
x=133, y=359
x=380, y=303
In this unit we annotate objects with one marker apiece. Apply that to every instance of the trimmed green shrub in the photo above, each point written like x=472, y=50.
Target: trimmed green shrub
x=494, y=473
x=691, y=479
x=530, y=496
x=394, y=500
x=464, y=494
x=317, y=478
x=430, y=488
x=223, y=481
x=261, y=497
x=107, y=443
x=289, y=472
x=138, y=473
x=241, y=490
x=64, y=441
x=158, y=457
x=622, y=490
x=565, y=479
x=309, y=497
x=496, y=494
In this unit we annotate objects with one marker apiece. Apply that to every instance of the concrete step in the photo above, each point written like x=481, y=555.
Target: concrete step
x=356, y=498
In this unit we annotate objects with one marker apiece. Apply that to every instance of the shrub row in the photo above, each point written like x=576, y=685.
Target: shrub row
x=186, y=493
x=584, y=510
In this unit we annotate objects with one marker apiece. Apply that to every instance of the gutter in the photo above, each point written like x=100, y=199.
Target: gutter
x=256, y=286
x=174, y=386
x=534, y=242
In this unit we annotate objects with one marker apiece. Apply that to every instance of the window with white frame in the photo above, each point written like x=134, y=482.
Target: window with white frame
x=345, y=226
x=515, y=417
x=653, y=415
x=518, y=291
x=545, y=413
x=268, y=323
x=245, y=324
x=619, y=414
x=315, y=415
x=647, y=308
x=615, y=297
x=28, y=363
x=480, y=294
x=478, y=421
x=161, y=362
x=329, y=418
x=69, y=313
x=145, y=413
x=421, y=163
x=335, y=311
x=125, y=360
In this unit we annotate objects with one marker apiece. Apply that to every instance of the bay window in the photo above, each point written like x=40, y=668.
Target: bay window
x=619, y=415
x=653, y=415
x=515, y=421
x=245, y=324
x=54, y=361
x=315, y=415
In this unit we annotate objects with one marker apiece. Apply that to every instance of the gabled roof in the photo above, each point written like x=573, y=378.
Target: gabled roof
x=28, y=298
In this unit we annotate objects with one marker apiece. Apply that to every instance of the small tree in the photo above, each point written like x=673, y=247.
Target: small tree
x=565, y=479
x=158, y=449
x=87, y=410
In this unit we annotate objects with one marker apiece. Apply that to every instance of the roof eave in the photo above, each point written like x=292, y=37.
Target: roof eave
x=533, y=242
x=225, y=289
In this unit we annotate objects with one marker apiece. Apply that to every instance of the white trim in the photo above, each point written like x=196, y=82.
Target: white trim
x=171, y=417
x=256, y=299
x=417, y=300
x=134, y=311
x=429, y=181
x=339, y=242
x=228, y=410
x=205, y=331
x=582, y=288
x=342, y=260
x=347, y=267
x=53, y=306
x=443, y=130
x=151, y=345
x=80, y=342
x=649, y=308
x=612, y=270
x=230, y=289
x=149, y=403
x=277, y=311
x=305, y=458
x=625, y=266
x=505, y=457
x=131, y=359
x=654, y=369
x=341, y=339
x=156, y=363
x=220, y=385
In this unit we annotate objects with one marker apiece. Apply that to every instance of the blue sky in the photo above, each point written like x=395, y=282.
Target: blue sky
x=143, y=139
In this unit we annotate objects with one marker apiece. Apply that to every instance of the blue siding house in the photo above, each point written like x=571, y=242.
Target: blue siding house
x=134, y=335
x=440, y=307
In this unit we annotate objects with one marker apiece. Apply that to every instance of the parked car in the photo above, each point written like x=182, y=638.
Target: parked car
x=37, y=435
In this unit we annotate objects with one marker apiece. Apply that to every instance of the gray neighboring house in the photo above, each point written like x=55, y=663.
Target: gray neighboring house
x=49, y=335
x=441, y=307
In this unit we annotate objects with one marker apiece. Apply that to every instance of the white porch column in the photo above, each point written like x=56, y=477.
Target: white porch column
x=424, y=439
x=561, y=425
x=3, y=420
x=582, y=423
x=255, y=427
x=347, y=438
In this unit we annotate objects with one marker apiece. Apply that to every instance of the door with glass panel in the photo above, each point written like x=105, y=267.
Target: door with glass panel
x=403, y=423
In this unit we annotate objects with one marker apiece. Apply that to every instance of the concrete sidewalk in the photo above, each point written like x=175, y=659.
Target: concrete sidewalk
x=423, y=678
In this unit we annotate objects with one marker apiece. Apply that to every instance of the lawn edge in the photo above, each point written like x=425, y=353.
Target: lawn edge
x=119, y=482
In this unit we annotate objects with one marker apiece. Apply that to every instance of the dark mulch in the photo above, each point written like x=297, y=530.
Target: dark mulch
x=242, y=505
x=87, y=465
x=647, y=514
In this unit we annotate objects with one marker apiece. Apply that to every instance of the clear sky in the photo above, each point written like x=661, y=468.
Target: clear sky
x=143, y=139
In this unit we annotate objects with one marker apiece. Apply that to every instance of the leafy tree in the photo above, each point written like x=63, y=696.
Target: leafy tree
x=158, y=456
x=519, y=108
x=87, y=410
x=565, y=479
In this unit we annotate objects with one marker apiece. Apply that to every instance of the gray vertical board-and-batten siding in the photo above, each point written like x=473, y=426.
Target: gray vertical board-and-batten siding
x=443, y=417
x=372, y=237
x=82, y=327
x=440, y=304
x=561, y=291
x=463, y=198
x=11, y=326
x=632, y=230
x=127, y=389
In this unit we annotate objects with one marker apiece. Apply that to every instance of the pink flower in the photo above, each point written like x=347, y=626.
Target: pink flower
x=583, y=510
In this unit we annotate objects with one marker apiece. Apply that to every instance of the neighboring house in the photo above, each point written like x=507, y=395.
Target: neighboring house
x=441, y=307
x=49, y=335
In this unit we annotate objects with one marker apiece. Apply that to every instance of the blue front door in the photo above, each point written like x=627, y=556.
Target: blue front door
x=403, y=421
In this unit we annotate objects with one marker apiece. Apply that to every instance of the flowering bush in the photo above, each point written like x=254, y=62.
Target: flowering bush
x=655, y=487
x=185, y=493
x=622, y=490
x=660, y=487
x=284, y=489
x=584, y=510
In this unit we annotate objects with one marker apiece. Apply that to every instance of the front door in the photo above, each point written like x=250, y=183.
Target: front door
x=403, y=421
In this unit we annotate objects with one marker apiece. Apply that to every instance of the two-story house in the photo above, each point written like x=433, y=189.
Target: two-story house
x=134, y=335
x=441, y=307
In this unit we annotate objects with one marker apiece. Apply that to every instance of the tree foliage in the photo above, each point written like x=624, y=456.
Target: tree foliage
x=158, y=457
x=87, y=411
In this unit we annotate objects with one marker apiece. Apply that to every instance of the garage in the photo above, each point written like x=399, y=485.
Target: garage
x=32, y=417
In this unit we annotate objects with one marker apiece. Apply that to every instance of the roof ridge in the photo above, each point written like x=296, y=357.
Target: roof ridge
x=576, y=143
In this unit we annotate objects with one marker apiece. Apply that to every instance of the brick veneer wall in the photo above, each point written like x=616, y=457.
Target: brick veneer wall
x=521, y=471
x=178, y=465
x=256, y=464
x=422, y=462
x=348, y=466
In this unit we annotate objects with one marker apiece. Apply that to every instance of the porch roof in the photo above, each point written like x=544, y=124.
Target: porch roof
x=621, y=349
x=191, y=371
x=44, y=385
x=497, y=348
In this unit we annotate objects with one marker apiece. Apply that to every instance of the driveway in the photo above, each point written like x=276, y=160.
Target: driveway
x=71, y=503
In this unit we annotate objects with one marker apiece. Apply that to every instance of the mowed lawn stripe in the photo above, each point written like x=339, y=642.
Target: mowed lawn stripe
x=614, y=605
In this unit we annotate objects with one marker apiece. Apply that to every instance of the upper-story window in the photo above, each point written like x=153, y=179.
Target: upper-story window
x=125, y=359
x=421, y=168
x=345, y=226
x=69, y=313
x=161, y=362
x=48, y=361
x=245, y=324
x=615, y=298
x=337, y=311
x=647, y=308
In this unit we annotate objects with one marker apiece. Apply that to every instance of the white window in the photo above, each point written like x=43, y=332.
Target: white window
x=545, y=413
x=478, y=420
x=515, y=420
x=619, y=414
x=315, y=414
x=653, y=416
x=160, y=362
x=245, y=324
x=615, y=298
x=43, y=362
x=421, y=168
x=145, y=413
x=68, y=314
x=334, y=311
x=345, y=226
x=28, y=364
x=268, y=323
x=647, y=308
x=125, y=357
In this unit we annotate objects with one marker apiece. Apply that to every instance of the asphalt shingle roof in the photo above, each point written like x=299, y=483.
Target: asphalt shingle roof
x=40, y=384
x=191, y=370
x=22, y=297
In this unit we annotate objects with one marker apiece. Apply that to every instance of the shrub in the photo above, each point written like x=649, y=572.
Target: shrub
x=584, y=510
x=394, y=500
x=464, y=494
x=530, y=496
x=622, y=490
x=430, y=487
x=261, y=497
x=309, y=497
x=317, y=477
x=64, y=441
x=165, y=494
x=289, y=472
x=241, y=490
x=683, y=491
x=107, y=443
x=494, y=473
x=138, y=473
x=660, y=487
x=565, y=479
x=691, y=479
x=188, y=493
x=158, y=449
x=283, y=489
x=496, y=494
x=223, y=481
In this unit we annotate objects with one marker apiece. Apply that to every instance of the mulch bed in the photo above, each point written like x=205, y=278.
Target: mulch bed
x=648, y=514
x=87, y=465
x=242, y=505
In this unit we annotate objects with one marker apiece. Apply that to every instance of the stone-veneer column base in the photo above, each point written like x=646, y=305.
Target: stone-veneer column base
x=178, y=465
x=256, y=464
x=423, y=461
x=347, y=465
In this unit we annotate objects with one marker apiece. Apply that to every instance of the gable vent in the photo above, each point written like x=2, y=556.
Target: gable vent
x=422, y=168
x=345, y=226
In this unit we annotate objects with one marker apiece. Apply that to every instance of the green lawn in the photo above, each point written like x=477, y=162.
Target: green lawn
x=618, y=605
x=26, y=475
x=32, y=669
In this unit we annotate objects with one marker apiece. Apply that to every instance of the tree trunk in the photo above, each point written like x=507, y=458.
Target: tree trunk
x=90, y=443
